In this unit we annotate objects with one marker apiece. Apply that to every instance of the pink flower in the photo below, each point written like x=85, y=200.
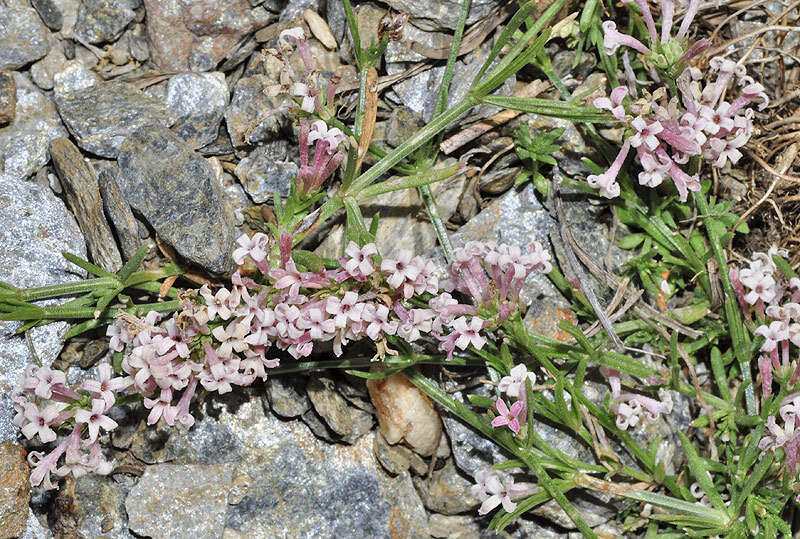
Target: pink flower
x=331, y=137
x=105, y=387
x=613, y=40
x=345, y=310
x=645, y=133
x=614, y=103
x=607, y=182
x=509, y=417
x=514, y=384
x=290, y=35
x=217, y=303
x=39, y=421
x=255, y=247
x=400, y=270
x=44, y=380
x=494, y=489
x=95, y=419
x=468, y=332
x=161, y=407
x=360, y=262
x=774, y=334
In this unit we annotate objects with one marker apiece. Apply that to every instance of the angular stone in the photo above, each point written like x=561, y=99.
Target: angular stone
x=186, y=35
x=454, y=527
x=253, y=116
x=303, y=487
x=176, y=501
x=15, y=490
x=23, y=37
x=50, y=14
x=348, y=422
x=101, y=116
x=197, y=103
x=179, y=194
x=119, y=211
x=403, y=222
x=36, y=227
x=72, y=77
x=395, y=459
x=8, y=97
x=446, y=491
x=286, y=395
x=267, y=169
x=24, y=143
x=101, y=506
x=101, y=21
x=402, y=51
x=437, y=14
x=83, y=195
x=43, y=71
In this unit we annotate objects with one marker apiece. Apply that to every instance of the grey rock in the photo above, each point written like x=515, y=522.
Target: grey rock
x=395, y=459
x=119, y=211
x=454, y=526
x=348, y=422
x=43, y=71
x=8, y=97
x=438, y=14
x=50, y=14
x=101, y=506
x=100, y=21
x=184, y=35
x=34, y=528
x=319, y=427
x=286, y=395
x=137, y=44
x=446, y=491
x=197, y=103
x=102, y=115
x=83, y=196
x=23, y=37
x=472, y=452
x=402, y=51
x=267, y=169
x=173, y=500
x=253, y=116
x=179, y=194
x=24, y=143
x=36, y=228
x=403, y=123
x=403, y=221
x=72, y=77
x=335, y=490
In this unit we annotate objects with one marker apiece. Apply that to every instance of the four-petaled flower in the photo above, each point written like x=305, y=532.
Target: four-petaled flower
x=509, y=417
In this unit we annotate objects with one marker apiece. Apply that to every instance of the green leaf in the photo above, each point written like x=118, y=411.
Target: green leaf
x=132, y=265
x=701, y=473
x=88, y=266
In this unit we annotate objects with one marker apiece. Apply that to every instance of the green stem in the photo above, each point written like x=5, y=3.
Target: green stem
x=57, y=290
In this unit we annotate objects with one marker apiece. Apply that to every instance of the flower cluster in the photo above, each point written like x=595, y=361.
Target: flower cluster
x=786, y=436
x=513, y=386
x=494, y=488
x=46, y=403
x=669, y=127
x=632, y=407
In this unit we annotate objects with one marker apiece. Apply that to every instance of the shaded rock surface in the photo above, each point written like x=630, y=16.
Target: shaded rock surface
x=50, y=14
x=197, y=103
x=253, y=116
x=36, y=228
x=15, y=490
x=348, y=422
x=23, y=37
x=104, y=20
x=437, y=14
x=175, y=501
x=185, y=35
x=24, y=143
x=118, y=211
x=102, y=115
x=8, y=97
x=267, y=169
x=179, y=194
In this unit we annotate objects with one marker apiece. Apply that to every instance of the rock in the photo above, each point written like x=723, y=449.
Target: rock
x=15, y=490
x=137, y=44
x=405, y=413
x=185, y=35
x=403, y=123
x=286, y=395
x=102, y=115
x=472, y=451
x=74, y=76
x=172, y=500
x=267, y=169
x=8, y=97
x=303, y=487
x=119, y=211
x=24, y=143
x=101, y=21
x=101, y=505
x=319, y=28
x=454, y=527
x=403, y=222
x=83, y=196
x=446, y=491
x=253, y=116
x=23, y=37
x=572, y=147
x=197, y=103
x=50, y=14
x=402, y=51
x=43, y=71
x=36, y=227
x=438, y=14
x=348, y=422
x=395, y=459
x=178, y=193
x=34, y=528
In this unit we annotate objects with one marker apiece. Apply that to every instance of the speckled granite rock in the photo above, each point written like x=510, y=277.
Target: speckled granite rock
x=347, y=422
x=50, y=14
x=102, y=115
x=15, y=489
x=267, y=169
x=436, y=14
x=36, y=227
x=100, y=21
x=8, y=97
x=446, y=491
x=101, y=505
x=253, y=116
x=186, y=35
x=179, y=194
x=176, y=501
x=72, y=77
x=24, y=143
x=197, y=103
x=23, y=37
